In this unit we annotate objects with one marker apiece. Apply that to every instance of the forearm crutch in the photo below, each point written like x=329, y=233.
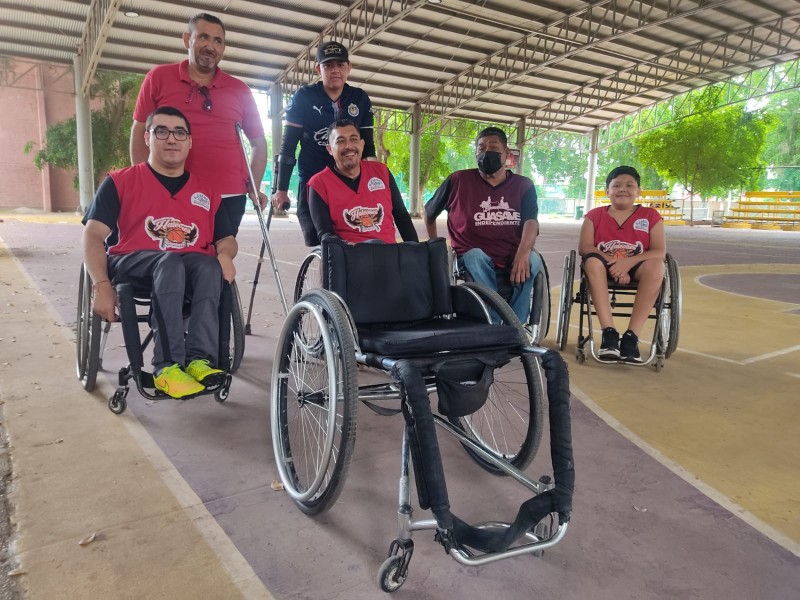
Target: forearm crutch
x=265, y=243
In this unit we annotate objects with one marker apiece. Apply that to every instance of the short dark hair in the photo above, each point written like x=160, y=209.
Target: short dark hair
x=496, y=131
x=623, y=170
x=339, y=123
x=209, y=18
x=169, y=111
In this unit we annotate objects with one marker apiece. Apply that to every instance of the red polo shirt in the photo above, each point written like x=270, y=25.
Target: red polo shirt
x=216, y=152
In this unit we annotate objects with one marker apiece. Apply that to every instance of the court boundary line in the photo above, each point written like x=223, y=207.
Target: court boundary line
x=764, y=528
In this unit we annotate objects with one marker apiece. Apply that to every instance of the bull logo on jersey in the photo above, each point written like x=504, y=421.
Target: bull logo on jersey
x=496, y=213
x=170, y=233
x=364, y=218
x=620, y=249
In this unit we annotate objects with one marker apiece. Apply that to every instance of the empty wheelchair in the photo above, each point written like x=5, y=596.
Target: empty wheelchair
x=134, y=308
x=538, y=323
x=666, y=313
x=392, y=307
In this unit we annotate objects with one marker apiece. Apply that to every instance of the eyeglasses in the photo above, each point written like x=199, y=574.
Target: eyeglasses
x=162, y=133
x=205, y=93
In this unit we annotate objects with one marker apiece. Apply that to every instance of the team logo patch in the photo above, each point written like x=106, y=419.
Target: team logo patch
x=620, y=249
x=364, y=218
x=170, y=233
x=375, y=184
x=201, y=200
x=352, y=110
x=496, y=213
x=641, y=225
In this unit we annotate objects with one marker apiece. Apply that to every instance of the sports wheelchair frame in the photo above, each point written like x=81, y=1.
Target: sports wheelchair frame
x=666, y=313
x=391, y=307
x=92, y=334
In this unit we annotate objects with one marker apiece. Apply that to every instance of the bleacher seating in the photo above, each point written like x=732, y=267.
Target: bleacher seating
x=658, y=199
x=766, y=210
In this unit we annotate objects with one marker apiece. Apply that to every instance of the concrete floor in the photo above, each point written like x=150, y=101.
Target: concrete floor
x=687, y=480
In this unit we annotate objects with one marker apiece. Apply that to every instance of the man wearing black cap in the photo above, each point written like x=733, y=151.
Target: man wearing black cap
x=491, y=220
x=312, y=109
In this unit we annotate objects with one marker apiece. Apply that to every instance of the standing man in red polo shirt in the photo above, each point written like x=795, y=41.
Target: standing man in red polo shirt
x=213, y=102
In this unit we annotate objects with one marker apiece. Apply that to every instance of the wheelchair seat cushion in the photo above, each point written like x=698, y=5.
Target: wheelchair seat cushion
x=436, y=336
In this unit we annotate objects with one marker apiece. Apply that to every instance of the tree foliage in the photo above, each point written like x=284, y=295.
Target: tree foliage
x=782, y=147
x=709, y=151
x=110, y=128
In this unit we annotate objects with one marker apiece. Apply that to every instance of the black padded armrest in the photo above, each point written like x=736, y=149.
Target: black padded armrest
x=388, y=283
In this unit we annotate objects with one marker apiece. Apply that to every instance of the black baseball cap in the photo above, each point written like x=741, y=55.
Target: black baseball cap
x=332, y=51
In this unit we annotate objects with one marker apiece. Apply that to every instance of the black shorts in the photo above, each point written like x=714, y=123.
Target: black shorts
x=604, y=260
x=234, y=206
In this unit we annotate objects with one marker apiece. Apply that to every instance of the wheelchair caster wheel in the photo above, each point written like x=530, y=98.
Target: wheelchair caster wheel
x=390, y=577
x=658, y=364
x=581, y=357
x=117, y=403
x=223, y=392
x=542, y=531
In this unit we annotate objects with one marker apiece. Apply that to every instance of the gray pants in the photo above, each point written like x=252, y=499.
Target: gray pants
x=172, y=277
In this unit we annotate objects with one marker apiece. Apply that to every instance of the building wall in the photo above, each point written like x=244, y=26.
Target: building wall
x=32, y=96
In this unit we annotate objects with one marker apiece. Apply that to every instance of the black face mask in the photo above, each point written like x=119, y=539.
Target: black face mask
x=489, y=162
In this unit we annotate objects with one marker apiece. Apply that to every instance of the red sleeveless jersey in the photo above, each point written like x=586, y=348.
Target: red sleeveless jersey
x=152, y=219
x=362, y=215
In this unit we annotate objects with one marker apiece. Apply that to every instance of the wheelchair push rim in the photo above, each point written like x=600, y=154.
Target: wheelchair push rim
x=313, y=437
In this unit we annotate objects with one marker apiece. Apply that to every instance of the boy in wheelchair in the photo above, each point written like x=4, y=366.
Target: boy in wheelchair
x=623, y=244
x=356, y=200
x=491, y=220
x=159, y=227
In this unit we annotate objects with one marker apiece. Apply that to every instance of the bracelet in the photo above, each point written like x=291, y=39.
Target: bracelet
x=94, y=285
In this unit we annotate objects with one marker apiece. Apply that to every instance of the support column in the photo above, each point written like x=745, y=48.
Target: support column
x=591, y=171
x=276, y=116
x=520, y=145
x=41, y=114
x=413, y=168
x=83, y=121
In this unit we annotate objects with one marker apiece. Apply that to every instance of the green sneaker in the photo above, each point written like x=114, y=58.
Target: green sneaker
x=206, y=374
x=174, y=382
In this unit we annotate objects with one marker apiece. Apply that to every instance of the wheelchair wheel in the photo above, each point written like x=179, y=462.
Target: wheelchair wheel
x=565, y=304
x=314, y=397
x=509, y=425
x=237, y=330
x=88, y=335
x=671, y=312
x=310, y=275
x=540, y=303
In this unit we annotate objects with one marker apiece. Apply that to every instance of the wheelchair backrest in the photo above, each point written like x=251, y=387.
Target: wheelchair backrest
x=388, y=283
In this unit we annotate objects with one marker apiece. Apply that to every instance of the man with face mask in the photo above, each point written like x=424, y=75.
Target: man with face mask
x=491, y=220
x=214, y=102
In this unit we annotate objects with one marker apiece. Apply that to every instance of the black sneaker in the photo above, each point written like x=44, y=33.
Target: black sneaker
x=629, y=346
x=609, y=347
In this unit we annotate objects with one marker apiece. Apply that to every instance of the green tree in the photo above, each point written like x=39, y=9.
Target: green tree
x=626, y=153
x=711, y=150
x=558, y=158
x=110, y=128
x=782, y=146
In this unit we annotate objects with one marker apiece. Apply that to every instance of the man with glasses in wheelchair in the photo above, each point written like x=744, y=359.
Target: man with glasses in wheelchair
x=491, y=220
x=356, y=200
x=623, y=243
x=160, y=227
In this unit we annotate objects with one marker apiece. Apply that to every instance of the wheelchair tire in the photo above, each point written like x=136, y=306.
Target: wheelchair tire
x=310, y=275
x=88, y=335
x=509, y=425
x=565, y=305
x=546, y=308
x=675, y=306
x=313, y=437
x=237, y=340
